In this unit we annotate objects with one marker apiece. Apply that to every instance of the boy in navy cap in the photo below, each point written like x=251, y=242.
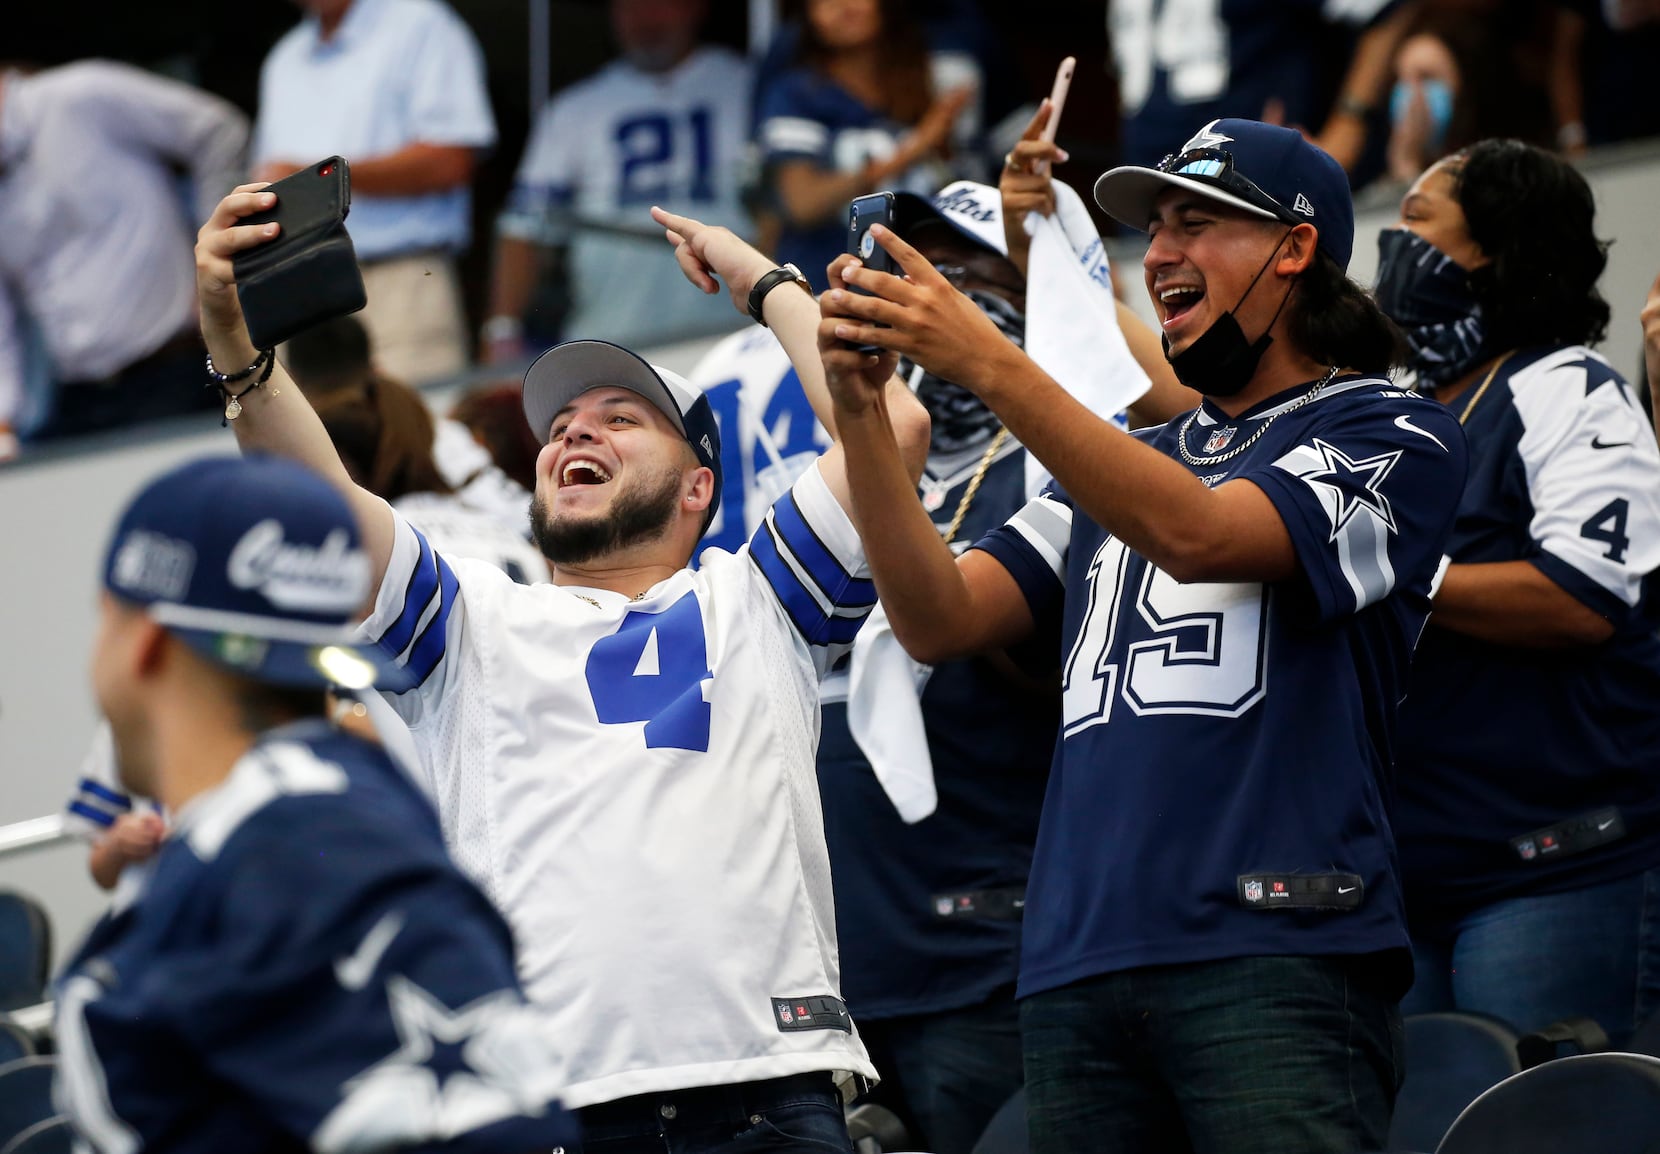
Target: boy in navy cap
x=303, y=968
x=1214, y=944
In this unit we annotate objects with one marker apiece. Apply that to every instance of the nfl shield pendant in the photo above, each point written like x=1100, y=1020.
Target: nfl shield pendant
x=233, y=409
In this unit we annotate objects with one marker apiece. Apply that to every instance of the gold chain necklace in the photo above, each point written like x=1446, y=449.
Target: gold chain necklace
x=1491, y=373
x=986, y=459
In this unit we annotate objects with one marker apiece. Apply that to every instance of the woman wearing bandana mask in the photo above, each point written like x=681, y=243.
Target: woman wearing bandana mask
x=1528, y=813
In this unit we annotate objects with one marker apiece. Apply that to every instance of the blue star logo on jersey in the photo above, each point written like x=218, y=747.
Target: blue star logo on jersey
x=1353, y=484
x=1207, y=137
x=453, y=1071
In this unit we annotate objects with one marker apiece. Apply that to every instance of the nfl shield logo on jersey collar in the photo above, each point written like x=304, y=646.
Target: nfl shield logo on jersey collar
x=1219, y=439
x=1253, y=891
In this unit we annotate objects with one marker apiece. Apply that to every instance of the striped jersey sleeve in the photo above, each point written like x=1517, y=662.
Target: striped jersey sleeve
x=1592, y=475
x=98, y=798
x=1032, y=545
x=416, y=619
x=809, y=555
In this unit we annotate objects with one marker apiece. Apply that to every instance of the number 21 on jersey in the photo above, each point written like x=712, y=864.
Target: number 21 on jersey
x=1162, y=646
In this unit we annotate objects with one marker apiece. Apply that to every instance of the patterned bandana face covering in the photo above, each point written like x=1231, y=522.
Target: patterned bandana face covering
x=1429, y=297
x=961, y=419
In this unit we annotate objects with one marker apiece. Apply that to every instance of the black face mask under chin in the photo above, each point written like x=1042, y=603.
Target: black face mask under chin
x=1221, y=362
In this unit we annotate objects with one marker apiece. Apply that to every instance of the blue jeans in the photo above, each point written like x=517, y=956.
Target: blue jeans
x=799, y=1114
x=1272, y=1055
x=945, y=1074
x=1592, y=952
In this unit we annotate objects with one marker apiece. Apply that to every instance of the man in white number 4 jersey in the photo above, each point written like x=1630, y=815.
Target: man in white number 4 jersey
x=624, y=759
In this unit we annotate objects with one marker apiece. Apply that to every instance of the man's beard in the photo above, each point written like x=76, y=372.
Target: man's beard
x=640, y=514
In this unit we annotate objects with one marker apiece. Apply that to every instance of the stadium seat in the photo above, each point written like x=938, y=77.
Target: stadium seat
x=1545, y=1045
x=876, y=1130
x=25, y=950
x=15, y=1042
x=1647, y=1038
x=25, y=1094
x=48, y=1136
x=1006, y=1132
x=1609, y=1103
x=1451, y=1058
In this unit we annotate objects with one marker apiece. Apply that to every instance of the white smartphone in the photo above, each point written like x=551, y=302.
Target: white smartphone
x=1057, y=102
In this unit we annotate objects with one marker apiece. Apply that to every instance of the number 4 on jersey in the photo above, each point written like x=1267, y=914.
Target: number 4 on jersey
x=652, y=669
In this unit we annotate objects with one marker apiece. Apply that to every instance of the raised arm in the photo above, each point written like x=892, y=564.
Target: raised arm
x=1158, y=508
x=939, y=607
x=276, y=418
x=706, y=252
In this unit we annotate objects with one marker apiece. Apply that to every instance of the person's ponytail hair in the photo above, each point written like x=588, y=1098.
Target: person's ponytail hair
x=384, y=434
x=1335, y=321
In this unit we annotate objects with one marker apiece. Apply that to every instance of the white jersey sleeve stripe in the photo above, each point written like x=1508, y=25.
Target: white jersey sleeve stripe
x=425, y=614
x=840, y=587
x=809, y=617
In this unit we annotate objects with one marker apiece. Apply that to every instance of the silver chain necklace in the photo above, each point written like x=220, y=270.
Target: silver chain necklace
x=1206, y=462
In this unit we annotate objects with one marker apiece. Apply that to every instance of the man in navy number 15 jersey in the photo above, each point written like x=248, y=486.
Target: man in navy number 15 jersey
x=1214, y=946
x=304, y=969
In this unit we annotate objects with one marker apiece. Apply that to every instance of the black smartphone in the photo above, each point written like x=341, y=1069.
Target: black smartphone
x=877, y=208
x=308, y=274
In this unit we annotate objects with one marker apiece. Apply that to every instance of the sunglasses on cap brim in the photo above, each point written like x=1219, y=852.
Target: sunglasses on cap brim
x=1215, y=167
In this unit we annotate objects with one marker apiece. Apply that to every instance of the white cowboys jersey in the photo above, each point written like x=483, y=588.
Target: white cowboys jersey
x=632, y=783
x=605, y=151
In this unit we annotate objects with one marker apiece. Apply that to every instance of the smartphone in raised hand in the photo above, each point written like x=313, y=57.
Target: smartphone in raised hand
x=1057, y=101
x=877, y=208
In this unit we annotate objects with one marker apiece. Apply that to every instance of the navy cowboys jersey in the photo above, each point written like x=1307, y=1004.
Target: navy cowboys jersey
x=304, y=970
x=1220, y=787
x=1500, y=744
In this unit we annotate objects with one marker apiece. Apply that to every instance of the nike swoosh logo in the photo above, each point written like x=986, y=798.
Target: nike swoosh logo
x=1599, y=443
x=1405, y=422
x=1602, y=825
x=355, y=970
x=1352, y=889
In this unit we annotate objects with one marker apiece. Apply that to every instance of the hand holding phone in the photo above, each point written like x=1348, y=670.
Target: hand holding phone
x=877, y=208
x=309, y=273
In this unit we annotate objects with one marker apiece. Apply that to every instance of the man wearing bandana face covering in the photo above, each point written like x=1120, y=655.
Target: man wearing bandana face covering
x=1214, y=943
x=929, y=897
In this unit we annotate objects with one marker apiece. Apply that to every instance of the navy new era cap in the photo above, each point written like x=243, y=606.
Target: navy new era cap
x=1263, y=169
x=566, y=371
x=256, y=563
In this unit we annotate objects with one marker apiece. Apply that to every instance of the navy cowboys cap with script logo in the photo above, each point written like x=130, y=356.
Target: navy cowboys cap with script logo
x=1262, y=169
x=257, y=564
x=566, y=371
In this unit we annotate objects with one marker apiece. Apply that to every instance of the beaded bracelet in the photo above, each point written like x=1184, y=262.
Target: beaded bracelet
x=263, y=364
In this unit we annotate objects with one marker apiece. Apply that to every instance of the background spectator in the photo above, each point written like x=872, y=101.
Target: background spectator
x=1651, y=353
x=665, y=124
x=1601, y=72
x=1316, y=64
x=397, y=88
x=97, y=286
x=858, y=112
x=333, y=364
x=1463, y=72
x=495, y=416
x=1528, y=765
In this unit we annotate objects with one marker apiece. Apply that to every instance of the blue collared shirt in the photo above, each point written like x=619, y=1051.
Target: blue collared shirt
x=395, y=73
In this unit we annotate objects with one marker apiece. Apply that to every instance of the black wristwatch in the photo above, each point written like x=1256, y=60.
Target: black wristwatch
x=758, y=294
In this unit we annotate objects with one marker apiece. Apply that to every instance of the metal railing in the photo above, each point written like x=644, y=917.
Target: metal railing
x=36, y=833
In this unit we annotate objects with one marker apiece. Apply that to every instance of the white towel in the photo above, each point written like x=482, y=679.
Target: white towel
x=884, y=689
x=1072, y=334
x=1072, y=318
